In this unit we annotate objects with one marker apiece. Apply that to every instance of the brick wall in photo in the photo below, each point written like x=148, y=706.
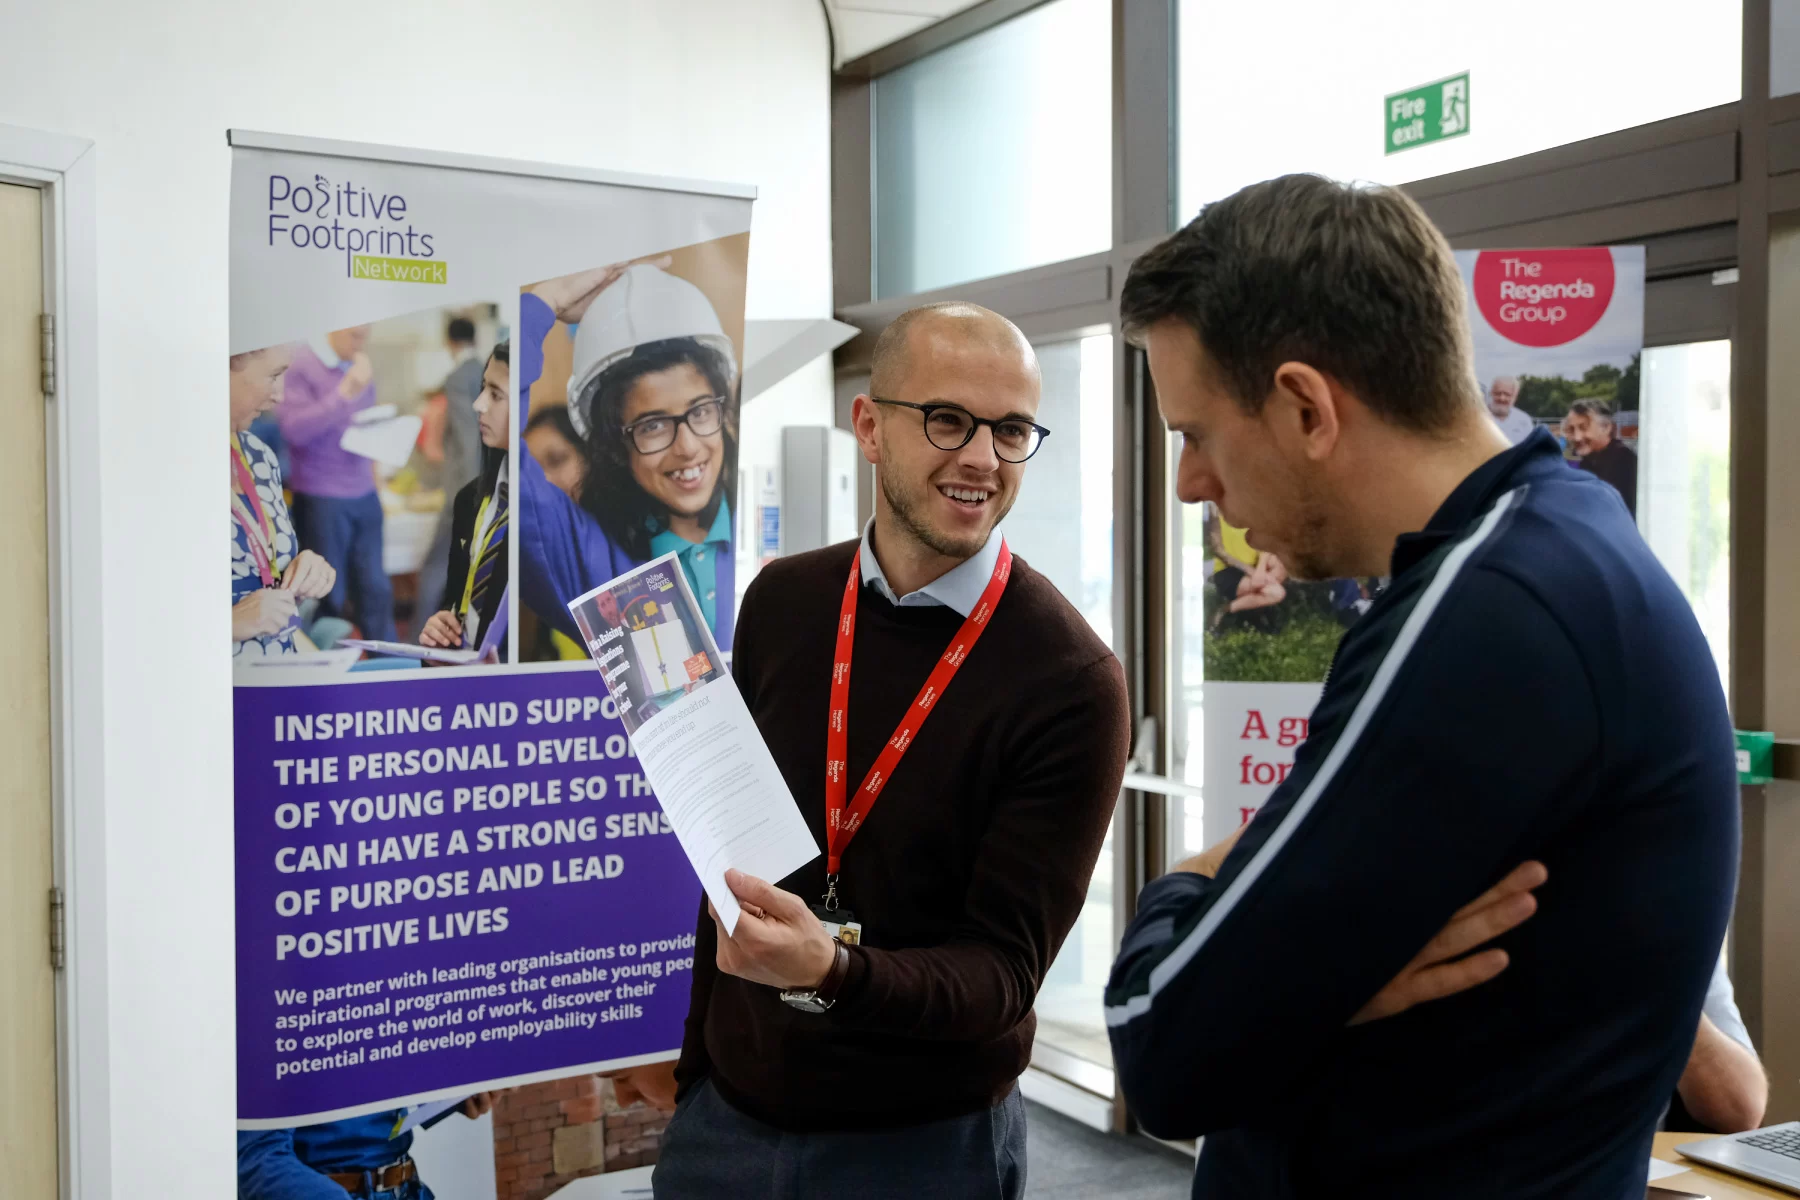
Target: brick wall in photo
x=548, y=1134
x=633, y=1135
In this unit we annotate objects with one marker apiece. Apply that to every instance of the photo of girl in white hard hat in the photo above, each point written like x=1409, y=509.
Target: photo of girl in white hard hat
x=653, y=397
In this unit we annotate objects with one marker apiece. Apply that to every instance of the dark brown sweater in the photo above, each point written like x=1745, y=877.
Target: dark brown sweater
x=967, y=875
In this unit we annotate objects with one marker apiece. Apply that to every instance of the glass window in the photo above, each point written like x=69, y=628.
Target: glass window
x=1066, y=532
x=1071, y=1004
x=1684, y=495
x=1542, y=73
x=1784, y=47
x=995, y=154
x=1062, y=531
x=1192, y=566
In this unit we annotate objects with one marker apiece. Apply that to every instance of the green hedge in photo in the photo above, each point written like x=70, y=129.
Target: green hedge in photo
x=1300, y=653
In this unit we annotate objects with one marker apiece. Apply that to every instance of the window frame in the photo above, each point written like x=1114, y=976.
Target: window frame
x=1699, y=190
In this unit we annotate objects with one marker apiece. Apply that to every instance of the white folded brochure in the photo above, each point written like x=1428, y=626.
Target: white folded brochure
x=437, y=654
x=699, y=747
x=388, y=442
x=375, y=412
x=313, y=662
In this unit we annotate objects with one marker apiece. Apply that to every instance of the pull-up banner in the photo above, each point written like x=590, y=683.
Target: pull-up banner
x=463, y=392
x=1559, y=338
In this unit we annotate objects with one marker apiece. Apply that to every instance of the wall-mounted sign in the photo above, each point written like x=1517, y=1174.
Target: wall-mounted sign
x=1755, y=756
x=1429, y=113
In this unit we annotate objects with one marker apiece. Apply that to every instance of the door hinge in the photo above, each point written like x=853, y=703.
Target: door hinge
x=47, y=353
x=56, y=929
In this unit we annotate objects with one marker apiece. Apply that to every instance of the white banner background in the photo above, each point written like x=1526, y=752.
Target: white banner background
x=1252, y=733
x=495, y=230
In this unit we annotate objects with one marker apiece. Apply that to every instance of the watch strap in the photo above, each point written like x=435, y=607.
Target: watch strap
x=826, y=993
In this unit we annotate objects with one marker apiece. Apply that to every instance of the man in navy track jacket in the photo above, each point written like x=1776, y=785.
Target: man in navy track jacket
x=1530, y=687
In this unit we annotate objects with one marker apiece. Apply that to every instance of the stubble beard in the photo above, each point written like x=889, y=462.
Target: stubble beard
x=905, y=508
x=1313, y=557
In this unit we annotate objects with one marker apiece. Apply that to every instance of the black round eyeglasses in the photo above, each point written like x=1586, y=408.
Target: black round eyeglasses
x=657, y=432
x=950, y=427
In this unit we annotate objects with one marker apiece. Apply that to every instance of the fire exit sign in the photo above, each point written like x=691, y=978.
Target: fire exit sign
x=1431, y=113
x=1755, y=756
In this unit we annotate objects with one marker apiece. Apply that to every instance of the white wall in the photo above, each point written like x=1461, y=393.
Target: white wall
x=717, y=89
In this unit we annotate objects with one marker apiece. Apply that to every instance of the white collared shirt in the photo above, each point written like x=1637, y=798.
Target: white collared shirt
x=959, y=588
x=328, y=355
x=1516, y=424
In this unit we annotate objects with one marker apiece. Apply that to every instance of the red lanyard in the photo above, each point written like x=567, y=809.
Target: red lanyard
x=259, y=530
x=841, y=827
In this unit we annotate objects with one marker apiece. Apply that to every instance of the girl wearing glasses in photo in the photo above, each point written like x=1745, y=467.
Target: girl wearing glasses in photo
x=653, y=397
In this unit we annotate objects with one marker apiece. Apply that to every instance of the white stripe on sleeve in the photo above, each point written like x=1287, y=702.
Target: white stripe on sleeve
x=1421, y=615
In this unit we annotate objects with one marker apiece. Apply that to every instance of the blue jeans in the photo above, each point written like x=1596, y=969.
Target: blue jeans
x=347, y=534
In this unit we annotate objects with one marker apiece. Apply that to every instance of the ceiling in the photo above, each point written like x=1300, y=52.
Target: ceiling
x=859, y=26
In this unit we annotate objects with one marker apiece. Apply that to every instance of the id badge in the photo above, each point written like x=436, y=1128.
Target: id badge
x=840, y=924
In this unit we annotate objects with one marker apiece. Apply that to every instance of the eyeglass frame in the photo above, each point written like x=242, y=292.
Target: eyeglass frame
x=993, y=424
x=630, y=435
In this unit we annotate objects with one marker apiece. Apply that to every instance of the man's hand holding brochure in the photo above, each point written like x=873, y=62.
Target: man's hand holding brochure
x=699, y=746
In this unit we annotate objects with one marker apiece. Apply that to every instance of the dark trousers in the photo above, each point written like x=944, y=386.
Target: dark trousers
x=712, y=1150
x=347, y=534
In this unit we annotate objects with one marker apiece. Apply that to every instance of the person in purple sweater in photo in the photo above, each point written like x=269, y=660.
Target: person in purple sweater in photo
x=336, y=510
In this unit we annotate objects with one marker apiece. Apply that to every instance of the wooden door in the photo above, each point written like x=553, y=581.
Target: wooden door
x=28, y=1099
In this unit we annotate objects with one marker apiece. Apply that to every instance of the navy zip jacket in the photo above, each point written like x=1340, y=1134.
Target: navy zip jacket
x=1531, y=685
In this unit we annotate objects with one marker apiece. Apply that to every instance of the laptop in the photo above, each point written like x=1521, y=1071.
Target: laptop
x=1769, y=1155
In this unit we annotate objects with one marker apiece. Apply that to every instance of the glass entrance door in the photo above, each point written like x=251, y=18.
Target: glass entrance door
x=1063, y=526
x=1684, y=504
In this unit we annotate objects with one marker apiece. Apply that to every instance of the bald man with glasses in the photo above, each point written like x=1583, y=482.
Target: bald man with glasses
x=955, y=734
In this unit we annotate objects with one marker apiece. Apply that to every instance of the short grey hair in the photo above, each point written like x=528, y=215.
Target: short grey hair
x=242, y=360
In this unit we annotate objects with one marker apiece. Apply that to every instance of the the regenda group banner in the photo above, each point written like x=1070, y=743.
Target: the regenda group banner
x=463, y=393
x=1558, y=336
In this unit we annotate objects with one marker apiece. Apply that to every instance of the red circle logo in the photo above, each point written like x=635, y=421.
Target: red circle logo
x=1543, y=297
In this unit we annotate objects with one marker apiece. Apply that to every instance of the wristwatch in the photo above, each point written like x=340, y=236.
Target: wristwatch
x=820, y=999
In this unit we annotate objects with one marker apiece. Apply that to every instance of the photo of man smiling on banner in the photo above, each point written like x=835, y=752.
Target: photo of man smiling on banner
x=645, y=355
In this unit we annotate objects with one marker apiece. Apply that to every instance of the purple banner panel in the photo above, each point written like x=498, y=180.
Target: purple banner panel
x=443, y=883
